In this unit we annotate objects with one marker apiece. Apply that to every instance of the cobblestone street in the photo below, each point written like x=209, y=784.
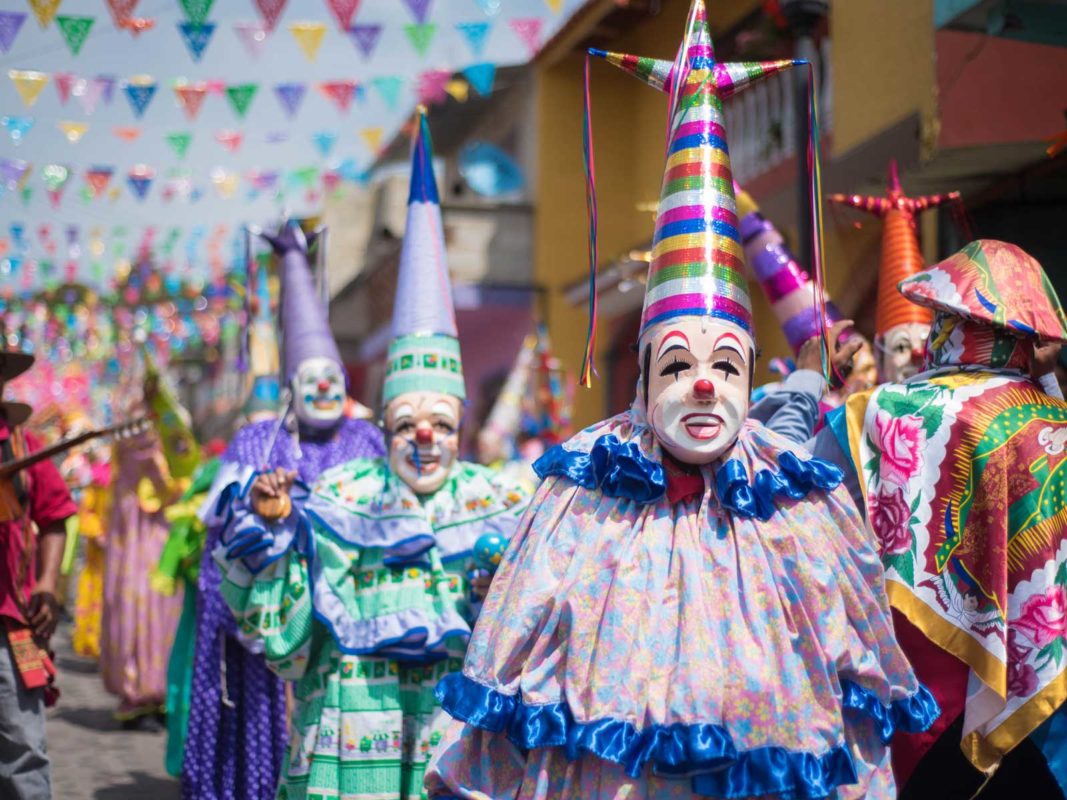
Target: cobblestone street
x=92, y=757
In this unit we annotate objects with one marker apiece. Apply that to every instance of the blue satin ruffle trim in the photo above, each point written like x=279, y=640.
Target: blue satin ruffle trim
x=795, y=478
x=679, y=750
x=619, y=469
x=672, y=750
x=912, y=714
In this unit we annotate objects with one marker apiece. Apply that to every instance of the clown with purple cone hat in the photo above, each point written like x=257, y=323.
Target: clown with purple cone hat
x=371, y=565
x=690, y=607
x=237, y=733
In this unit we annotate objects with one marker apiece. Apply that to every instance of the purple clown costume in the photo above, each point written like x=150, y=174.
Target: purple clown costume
x=238, y=718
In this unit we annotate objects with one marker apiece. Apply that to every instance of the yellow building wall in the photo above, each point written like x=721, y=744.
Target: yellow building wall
x=883, y=68
x=629, y=121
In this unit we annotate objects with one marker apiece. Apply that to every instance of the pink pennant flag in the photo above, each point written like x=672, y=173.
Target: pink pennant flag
x=271, y=11
x=64, y=81
x=343, y=10
x=253, y=36
x=529, y=32
x=430, y=85
x=121, y=10
x=231, y=140
x=191, y=96
x=339, y=93
x=419, y=8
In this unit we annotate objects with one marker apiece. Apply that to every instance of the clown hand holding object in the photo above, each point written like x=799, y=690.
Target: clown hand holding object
x=360, y=593
x=690, y=606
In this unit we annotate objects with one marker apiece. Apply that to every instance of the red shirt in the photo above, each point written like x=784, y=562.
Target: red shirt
x=48, y=501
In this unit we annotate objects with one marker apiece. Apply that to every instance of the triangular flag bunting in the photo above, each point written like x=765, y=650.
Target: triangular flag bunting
x=481, y=77
x=554, y=5
x=140, y=94
x=88, y=91
x=420, y=36
x=107, y=87
x=196, y=11
x=231, y=140
x=28, y=84
x=74, y=131
x=529, y=32
x=225, y=182
x=290, y=95
x=140, y=180
x=75, y=31
x=127, y=133
x=121, y=10
x=240, y=97
x=324, y=141
x=252, y=36
x=309, y=36
x=343, y=10
x=179, y=142
x=45, y=11
x=419, y=8
x=63, y=81
x=196, y=36
x=271, y=11
x=10, y=23
x=458, y=89
x=430, y=85
x=191, y=96
x=365, y=37
x=475, y=34
x=389, y=87
x=98, y=179
x=339, y=93
x=17, y=127
x=373, y=138
x=490, y=7
x=12, y=172
x=136, y=26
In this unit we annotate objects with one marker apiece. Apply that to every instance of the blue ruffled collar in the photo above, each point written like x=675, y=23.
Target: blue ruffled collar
x=598, y=458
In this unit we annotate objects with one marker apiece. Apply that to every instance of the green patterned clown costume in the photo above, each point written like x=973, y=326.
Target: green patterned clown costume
x=361, y=597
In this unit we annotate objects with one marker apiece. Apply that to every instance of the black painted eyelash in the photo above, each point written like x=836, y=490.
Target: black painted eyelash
x=674, y=368
x=727, y=367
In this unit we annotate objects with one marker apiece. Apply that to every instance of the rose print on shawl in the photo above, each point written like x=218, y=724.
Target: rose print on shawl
x=1043, y=619
x=900, y=442
x=890, y=517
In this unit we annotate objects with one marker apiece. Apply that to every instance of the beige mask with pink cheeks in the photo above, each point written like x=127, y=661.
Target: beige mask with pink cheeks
x=901, y=351
x=424, y=438
x=699, y=385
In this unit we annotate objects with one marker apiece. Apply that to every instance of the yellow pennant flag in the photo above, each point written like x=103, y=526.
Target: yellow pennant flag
x=309, y=36
x=555, y=5
x=28, y=84
x=459, y=89
x=225, y=182
x=45, y=11
x=74, y=131
x=114, y=193
x=373, y=138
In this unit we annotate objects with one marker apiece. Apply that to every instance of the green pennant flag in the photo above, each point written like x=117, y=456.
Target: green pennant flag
x=179, y=142
x=240, y=97
x=196, y=11
x=75, y=31
x=421, y=36
x=27, y=194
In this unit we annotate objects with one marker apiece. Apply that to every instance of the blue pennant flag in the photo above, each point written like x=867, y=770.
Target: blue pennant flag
x=140, y=95
x=196, y=36
x=481, y=77
x=474, y=33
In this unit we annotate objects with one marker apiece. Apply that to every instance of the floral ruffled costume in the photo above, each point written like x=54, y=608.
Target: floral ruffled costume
x=361, y=594
x=658, y=630
x=89, y=598
x=963, y=470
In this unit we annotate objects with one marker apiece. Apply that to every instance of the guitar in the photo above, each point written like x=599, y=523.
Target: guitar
x=10, y=507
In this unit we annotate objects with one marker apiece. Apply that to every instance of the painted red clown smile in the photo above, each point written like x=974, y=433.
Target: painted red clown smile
x=702, y=426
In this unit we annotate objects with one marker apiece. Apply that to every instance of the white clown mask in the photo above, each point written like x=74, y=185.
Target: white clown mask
x=319, y=392
x=900, y=351
x=424, y=438
x=698, y=385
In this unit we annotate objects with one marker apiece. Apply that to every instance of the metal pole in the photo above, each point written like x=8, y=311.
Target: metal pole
x=804, y=48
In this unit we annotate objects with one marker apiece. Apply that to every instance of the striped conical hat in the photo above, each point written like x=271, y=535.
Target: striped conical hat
x=697, y=266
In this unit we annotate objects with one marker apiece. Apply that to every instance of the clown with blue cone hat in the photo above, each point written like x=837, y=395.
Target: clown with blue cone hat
x=371, y=570
x=691, y=606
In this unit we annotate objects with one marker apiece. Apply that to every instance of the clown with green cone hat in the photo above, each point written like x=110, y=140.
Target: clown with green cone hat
x=690, y=606
x=375, y=564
